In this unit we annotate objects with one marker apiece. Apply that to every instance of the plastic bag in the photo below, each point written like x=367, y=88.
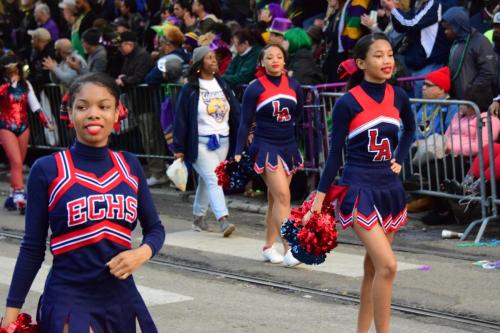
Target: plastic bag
x=431, y=148
x=178, y=174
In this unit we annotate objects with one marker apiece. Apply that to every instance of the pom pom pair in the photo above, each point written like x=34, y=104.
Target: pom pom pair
x=312, y=240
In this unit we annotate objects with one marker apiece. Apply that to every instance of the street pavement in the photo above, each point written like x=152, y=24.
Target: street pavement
x=432, y=273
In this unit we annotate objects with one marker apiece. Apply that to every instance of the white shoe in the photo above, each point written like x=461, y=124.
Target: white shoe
x=153, y=181
x=289, y=260
x=272, y=255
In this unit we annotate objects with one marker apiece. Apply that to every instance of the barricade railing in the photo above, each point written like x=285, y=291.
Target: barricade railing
x=438, y=164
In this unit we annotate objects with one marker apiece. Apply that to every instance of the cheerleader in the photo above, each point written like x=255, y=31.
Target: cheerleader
x=91, y=198
x=275, y=102
x=371, y=199
x=16, y=94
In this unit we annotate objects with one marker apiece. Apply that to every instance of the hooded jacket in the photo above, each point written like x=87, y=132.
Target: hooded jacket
x=475, y=78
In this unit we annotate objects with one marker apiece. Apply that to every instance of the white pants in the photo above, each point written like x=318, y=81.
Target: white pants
x=208, y=191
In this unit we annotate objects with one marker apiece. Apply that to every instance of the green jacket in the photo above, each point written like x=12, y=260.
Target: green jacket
x=241, y=70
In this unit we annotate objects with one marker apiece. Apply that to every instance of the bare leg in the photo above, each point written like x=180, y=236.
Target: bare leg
x=380, y=270
x=14, y=152
x=271, y=231
x=278, y=184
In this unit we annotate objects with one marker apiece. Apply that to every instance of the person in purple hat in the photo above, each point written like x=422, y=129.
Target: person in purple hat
x=266, y=17
x=278, y=29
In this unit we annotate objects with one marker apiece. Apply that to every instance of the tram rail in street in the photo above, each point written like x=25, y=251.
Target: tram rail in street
x=456, y=318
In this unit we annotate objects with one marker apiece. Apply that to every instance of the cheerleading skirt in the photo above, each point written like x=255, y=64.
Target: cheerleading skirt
x=106, y=308
x=376, y=194
x=266, y=156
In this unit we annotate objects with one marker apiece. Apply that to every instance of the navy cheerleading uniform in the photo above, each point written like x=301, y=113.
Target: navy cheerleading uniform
x=275, y=104
x=367, y=120
x=91, y=199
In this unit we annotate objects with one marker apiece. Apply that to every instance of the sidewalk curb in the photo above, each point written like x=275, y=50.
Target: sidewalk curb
x=232, y=201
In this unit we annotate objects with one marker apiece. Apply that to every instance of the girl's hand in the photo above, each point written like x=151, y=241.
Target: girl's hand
x=316, y=207
x=123, y=264
x=237, y=158
x=10, y=316
x=395, y=166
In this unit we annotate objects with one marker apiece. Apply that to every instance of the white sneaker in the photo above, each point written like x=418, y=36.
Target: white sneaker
x=289, y=260
x=153, y=181
x=272, y=255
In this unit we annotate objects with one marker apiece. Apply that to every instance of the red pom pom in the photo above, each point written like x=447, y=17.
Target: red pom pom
x=317, y=235
x=21, y=325
x=223, y=178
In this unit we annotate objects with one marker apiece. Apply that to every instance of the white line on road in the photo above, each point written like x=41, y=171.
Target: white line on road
x=345, y=264
x=151, y=296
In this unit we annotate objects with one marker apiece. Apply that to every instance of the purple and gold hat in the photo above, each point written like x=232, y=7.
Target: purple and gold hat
x=191, y=38
x=280, y=26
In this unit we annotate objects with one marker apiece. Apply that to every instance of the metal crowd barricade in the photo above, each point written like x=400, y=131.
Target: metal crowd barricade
x=437, y=160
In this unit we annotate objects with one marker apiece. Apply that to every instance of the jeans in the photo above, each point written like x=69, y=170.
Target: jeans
x=208, y=191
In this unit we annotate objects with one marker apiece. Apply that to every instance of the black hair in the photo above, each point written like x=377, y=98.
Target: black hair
x=360, y=51
x=131, y=5
x=267, y=47
x=211, y=7
x=184, y=4
x=245, y=35
x=193, y=73
x=222, y=30
x=98, y=78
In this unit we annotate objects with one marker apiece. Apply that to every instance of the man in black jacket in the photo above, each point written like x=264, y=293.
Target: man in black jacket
x=472, y=59
x=43, y=47
x=137, y=63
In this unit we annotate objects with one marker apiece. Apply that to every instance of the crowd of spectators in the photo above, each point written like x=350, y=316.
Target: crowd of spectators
x=152, y=42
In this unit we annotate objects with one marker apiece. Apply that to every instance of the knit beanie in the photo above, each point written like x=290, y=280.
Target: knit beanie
x=199, y=53
x=440, y=78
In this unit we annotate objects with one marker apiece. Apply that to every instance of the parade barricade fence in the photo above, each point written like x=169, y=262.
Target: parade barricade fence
x=437, y=166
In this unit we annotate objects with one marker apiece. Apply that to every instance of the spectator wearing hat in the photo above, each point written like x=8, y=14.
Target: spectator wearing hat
x=278, y=29
x=43, y=47
x=241, y=70
x=97, y=57
x=169, y=44
x=301, y=64
x=435, y=118
x=43, y=19
x=60, y=71
x=266, y=16
x=206, y=123
x=472, y=60
x=190, y=42
x=171, y=68
x=137, y=62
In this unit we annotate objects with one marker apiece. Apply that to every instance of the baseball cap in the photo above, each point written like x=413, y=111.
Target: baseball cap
x=40, y=33
x=496, y=18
